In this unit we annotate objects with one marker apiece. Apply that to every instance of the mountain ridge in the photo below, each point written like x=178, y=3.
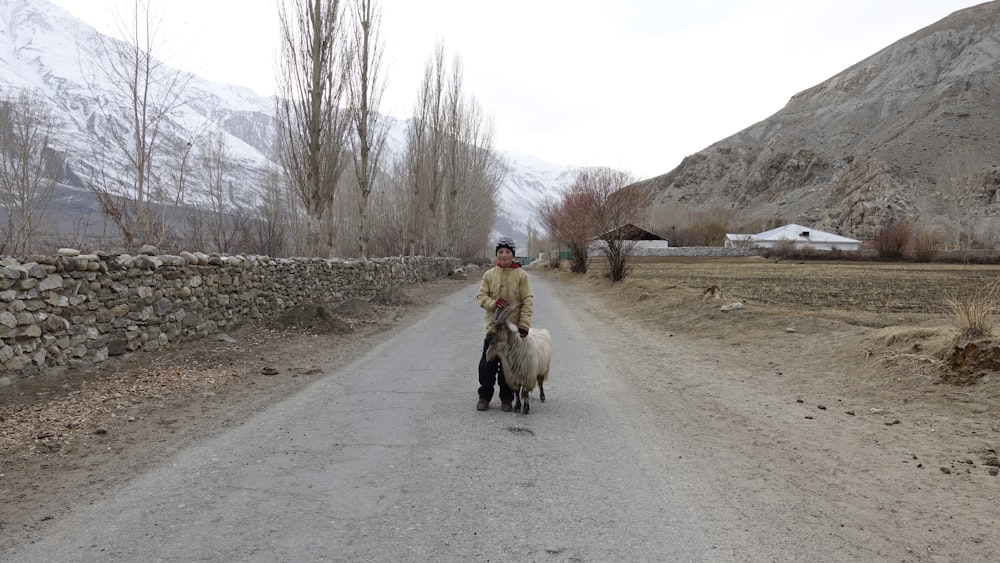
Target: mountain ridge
x=908, y=131
x=44, y=48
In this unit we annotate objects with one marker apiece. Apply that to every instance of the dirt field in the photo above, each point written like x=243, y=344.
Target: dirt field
x=829, y=334
x=884, y=289
x=896, y=317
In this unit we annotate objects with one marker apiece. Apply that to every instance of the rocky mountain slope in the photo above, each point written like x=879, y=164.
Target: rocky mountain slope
x=45, y=49
x=913, y=130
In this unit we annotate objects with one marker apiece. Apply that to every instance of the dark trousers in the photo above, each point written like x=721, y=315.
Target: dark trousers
x=490, y=374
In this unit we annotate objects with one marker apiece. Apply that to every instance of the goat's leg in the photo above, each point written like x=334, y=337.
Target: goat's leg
x=524, y=394
x=517, y=399
x=541, y=390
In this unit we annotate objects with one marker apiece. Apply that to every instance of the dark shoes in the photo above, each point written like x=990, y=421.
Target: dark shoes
x=485, y=405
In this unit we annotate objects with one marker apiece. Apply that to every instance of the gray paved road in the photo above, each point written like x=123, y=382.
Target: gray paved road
x=386, y=459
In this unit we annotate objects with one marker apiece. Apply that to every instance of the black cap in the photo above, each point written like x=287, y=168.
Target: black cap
x=508, y=243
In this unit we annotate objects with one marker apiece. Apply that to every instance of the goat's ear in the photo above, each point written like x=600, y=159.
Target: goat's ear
x=512, y=327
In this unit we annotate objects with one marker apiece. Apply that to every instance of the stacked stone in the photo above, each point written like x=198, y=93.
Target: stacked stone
x=74, y=309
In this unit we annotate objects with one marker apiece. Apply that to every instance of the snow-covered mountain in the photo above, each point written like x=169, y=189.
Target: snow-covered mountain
x=46, y=49
x=530, y=181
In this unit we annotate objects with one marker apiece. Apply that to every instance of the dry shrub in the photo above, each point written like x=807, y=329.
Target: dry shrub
x=924, y=245
x=972, y=314
x=709, y=233
x=891, y=241
x=782, y=250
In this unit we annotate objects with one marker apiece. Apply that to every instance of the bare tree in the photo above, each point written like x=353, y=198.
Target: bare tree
x=29, y=167
x=452, y=170
x=600, y=203
x=473, y=172
x=957, y=216
x=535, y=242
x=891, y=241
x=273, y=217
x=567, y=220
x=366, y=84
x=313, y=125
x=620, y=206
x=219, y=223
x=424, y=155
x=959, y=192
x=130, y=195
x=391, y=212
x=344, y=219
x=222, y=219
x=685, y=227
x=924, y=243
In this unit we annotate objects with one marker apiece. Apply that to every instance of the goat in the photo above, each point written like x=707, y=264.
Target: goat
x=525, y=361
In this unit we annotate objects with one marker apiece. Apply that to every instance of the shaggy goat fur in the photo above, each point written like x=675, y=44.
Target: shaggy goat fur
x=525, y=361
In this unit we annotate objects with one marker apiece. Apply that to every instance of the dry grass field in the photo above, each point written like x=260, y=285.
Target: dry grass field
x=867, y=321
x=821, y=286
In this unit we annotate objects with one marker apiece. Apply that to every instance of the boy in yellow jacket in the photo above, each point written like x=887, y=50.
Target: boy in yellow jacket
x=502, y=284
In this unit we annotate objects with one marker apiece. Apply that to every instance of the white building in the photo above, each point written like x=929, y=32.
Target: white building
x=795, y=235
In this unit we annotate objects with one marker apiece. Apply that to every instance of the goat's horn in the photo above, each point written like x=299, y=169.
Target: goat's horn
x=506, y=311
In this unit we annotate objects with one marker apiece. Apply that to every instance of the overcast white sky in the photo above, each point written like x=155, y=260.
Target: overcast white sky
x=633, y=84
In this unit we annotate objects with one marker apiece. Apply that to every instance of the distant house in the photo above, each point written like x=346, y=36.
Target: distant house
x=647, y=243
x=738, y=241
x=796, y=235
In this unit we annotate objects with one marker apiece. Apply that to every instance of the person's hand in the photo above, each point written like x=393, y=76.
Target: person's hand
x=522, y=331
x=500, y=304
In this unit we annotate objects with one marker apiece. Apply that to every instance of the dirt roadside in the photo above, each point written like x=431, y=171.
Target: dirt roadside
x=69, y=437
x=843, y=410
x=866, y=414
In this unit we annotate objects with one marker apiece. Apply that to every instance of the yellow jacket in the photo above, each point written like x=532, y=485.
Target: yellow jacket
x=510, y=284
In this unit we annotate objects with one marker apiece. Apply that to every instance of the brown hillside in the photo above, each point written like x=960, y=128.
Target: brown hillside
x=913, y=130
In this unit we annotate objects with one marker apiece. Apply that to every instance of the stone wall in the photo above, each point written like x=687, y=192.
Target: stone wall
x=685, y=251
x=77, y=310
x=707, y=251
